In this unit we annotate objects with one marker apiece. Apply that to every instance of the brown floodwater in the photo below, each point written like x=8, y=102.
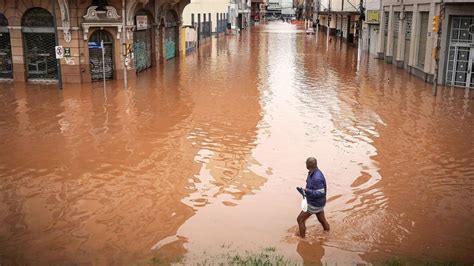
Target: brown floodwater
x=201, y=157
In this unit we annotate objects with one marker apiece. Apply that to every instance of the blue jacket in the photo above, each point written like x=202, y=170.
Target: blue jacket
x=316, y=189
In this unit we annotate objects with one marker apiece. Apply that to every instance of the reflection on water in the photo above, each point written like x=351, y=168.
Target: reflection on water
x=204, y=155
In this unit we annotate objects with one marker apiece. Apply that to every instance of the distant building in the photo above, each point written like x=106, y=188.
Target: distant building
x=258, y=10
x=207, y=17
x=304, y=9
x=277, y=7
x=239, y=14
x=407, y=37
x=371, y=26
x=340, y=17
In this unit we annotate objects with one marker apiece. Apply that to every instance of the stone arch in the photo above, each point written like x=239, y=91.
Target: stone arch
x=131, y=8
x=63, y=9
x=6, y=64
x=3, y=20
x=95, y=54
x=30, y=20
x=38, y=34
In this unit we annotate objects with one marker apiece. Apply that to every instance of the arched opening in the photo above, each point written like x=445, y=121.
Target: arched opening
x=6, y=66
x=143, y=41
x=99, y=62
x=171, y=36
x=39, y=43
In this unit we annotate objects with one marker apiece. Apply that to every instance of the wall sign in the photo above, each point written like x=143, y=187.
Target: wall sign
x=373, y=16
x=142, y=22
x=59, y=52
x=67, y=52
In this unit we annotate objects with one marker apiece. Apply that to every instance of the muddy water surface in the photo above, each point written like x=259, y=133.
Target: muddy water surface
x=202, y=156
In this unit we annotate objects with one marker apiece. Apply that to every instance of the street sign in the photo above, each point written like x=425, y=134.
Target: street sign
x=59, y=52
x=373, y=16
x=67, y=52
x=95, y=45
x=142, y=22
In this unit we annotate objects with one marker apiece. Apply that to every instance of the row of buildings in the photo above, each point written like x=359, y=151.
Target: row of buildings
x=432, y=39
x=133, y=34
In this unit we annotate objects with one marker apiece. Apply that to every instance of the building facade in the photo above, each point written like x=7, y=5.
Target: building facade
x=409, y=39
x=239, y=14
x=341, y=18
x=85, y=29
x=371, y=26
x=258, y=10
x=207, y=17
x=276, y=8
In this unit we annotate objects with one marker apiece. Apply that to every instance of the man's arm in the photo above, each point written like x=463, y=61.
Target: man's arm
x=316, y=193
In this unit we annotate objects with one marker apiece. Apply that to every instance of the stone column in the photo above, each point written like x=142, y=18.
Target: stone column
x=414, y=37
x=389, y=54
x=18, y=57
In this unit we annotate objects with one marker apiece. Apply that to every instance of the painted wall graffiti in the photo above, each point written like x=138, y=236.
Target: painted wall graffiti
x=170, y=49
x=141, y=57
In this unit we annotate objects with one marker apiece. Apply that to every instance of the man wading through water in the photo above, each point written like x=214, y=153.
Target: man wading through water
x=315, y=194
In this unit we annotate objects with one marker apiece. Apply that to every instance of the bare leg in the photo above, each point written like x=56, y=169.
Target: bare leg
x=322, y=220
x=301, y=222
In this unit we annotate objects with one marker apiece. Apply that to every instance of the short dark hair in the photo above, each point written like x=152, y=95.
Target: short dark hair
x=312, y=160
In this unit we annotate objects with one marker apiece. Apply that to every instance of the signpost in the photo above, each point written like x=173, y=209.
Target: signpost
x=103, y=60
x=59, y=52
x=94, y=45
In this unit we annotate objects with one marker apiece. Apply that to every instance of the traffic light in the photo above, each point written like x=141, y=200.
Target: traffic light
x=436, y=24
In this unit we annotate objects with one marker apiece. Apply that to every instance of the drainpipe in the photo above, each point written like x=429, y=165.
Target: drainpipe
x=58, y=61
x=124, y=50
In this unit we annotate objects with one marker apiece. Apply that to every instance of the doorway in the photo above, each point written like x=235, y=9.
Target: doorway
x=460, y=63
x=39, y=44
x=95, y=55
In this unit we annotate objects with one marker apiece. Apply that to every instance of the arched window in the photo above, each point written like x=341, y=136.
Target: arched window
x=101, y=35
x=6, y=66
x=142, y=40
x=171, y=35
x=37, y=17
x=100, y=3
x=39, y=44
x=97, y=61
x=3, y=20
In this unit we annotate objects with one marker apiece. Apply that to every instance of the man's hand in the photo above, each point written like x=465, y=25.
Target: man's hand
x=301, y=191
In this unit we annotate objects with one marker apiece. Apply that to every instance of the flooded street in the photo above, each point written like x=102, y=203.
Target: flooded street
x=201, y=157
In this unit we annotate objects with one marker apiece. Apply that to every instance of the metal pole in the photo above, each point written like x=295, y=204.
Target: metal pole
x=103, y=60
x=317, y=17
x=58, y=61
x=438, y=44
x=124, y=50
x=329, y=22
x=361, y=21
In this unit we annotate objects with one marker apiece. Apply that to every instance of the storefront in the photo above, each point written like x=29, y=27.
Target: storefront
x=6, y=66
x=171, y=35
x=101, y=55
x=460, y=65
x=39, y=43
x=143, y=41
